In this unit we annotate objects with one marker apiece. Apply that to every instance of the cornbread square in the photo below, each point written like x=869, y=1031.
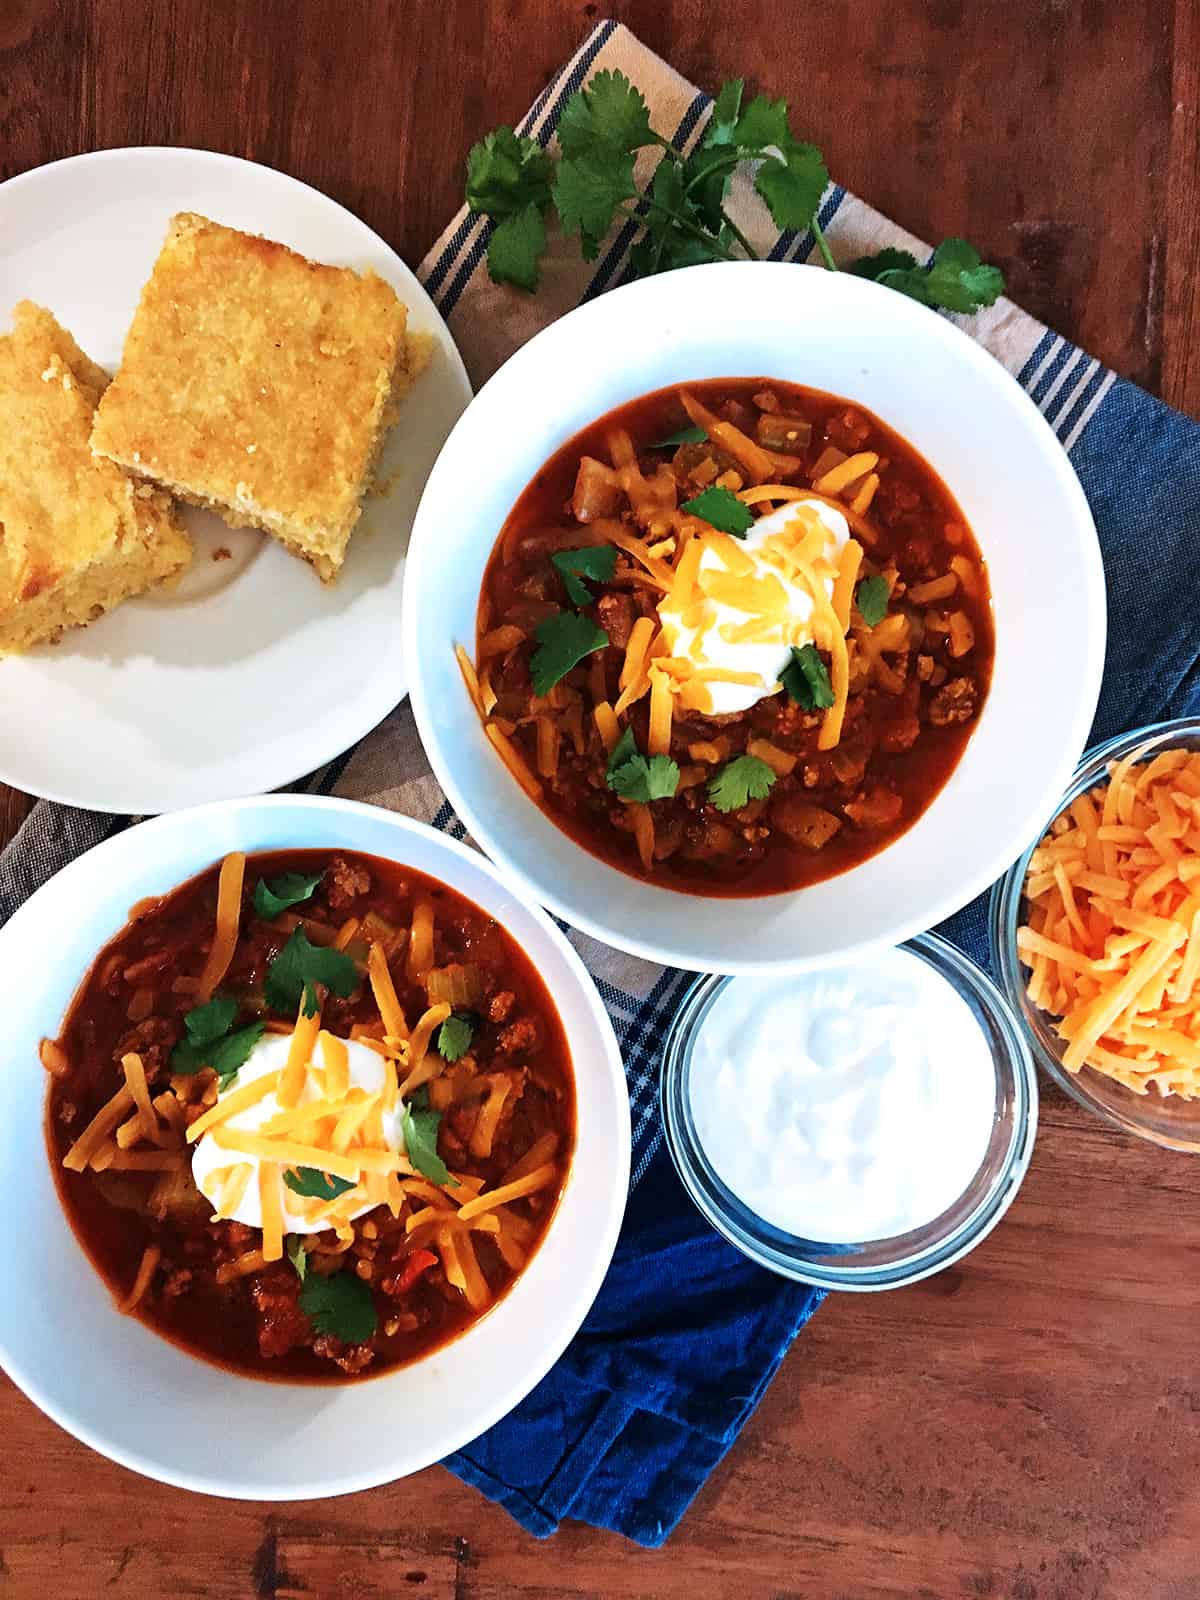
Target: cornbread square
x=258, y=384
x=77, y=535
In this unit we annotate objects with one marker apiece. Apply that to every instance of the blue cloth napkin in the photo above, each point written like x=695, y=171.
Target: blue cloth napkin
x=686, y=1335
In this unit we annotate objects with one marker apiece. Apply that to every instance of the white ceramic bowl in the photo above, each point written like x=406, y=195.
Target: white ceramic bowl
x=969, y=419
x=131, y=1394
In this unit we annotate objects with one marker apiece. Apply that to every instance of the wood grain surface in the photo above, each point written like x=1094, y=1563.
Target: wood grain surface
x=1028, y=1424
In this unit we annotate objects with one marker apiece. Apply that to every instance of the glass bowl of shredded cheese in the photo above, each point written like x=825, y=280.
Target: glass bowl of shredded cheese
x=1096, y=935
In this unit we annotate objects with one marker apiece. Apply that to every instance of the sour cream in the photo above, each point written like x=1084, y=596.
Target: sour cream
x=845, y=1105
x=767, y=660
x=270, y=1055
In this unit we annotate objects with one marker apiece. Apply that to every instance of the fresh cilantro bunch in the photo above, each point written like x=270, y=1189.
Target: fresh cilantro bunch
x=681, y=211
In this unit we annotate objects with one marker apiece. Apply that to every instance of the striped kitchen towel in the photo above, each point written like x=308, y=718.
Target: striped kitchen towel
x=686, y=1335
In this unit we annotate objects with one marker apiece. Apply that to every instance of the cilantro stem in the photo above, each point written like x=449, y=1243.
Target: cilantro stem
x=822, y=243
x=739, y=235
x=735, y=158
x=680, y=222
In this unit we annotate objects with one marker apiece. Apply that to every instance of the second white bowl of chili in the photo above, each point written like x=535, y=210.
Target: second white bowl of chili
x=153, y=1350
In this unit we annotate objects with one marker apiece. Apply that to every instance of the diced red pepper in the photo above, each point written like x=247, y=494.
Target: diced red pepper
x=420, y=1261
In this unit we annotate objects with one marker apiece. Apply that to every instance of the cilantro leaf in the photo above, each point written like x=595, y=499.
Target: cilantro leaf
x=299, y=966
x=683, y=436
x=505, y=174
x=726, y=109
x=624, y=750
x=645, y=779
x=635, y=777
x=871, y=597
x=208, y=1022
x=596, y=561
x=509, y=179
x=315, y=1185
x=341, y=1305
x=455, y=1035
x=563, y=641
x=722, y=509
x=420, y=1126
x=762, y=124
x=960, y=280
x=227, y=1057
x=956, y=279
x=743, y=779
x=515, y=248
x=793, y=187
x=887, y=260
x=298, y=1256
x=806, y=680
x=608, y=111
x=587, y=191
x=289, y=890
x=210, y=1044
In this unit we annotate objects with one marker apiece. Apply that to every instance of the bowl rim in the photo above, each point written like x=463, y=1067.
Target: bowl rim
x=604, y=1227
x=922, y=325
x=1004, y=908
x=705, y=1189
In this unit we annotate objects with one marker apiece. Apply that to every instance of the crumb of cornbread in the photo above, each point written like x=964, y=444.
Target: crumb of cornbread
x=258, y=384
x=77, y=535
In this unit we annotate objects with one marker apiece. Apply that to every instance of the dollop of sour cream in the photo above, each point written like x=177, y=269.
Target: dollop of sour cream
x=845, y=1105
x=366, y=1071
x=766, y=659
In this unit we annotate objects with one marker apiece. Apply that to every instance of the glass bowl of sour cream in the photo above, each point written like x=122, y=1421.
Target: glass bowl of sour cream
x=856, y=1127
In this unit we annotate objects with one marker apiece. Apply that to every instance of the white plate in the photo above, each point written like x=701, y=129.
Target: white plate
x=966, y=416
x=251, y=672
x=136, y=1397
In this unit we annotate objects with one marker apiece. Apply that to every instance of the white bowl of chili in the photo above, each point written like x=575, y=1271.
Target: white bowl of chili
x=147, y=1400
x=1000, y=496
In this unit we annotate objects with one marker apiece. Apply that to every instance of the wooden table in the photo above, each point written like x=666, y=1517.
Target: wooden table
x=1028, y=1424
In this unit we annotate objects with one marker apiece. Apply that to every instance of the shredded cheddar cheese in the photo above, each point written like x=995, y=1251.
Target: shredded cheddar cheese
x=233, y=1101
x=229, y=912
x=304, y=1038
x=1112, y=930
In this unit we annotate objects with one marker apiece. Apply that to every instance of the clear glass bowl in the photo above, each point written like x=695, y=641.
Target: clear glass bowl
x=878, y=1263
x=1171, y=1122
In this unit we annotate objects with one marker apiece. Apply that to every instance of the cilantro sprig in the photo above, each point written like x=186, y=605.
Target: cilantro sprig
x=208, y=1041
x=871, y=597
x=683, y=436
x=282, y=893
x=455, y=1035
x=316, y=1185
x=681, y=212
x=299, y=967
x=637, y=777
x=420, y=1126
x=739, y=781
x=597, y=561
x=509, y=178
x=956, y=277
x=340, y=1305
x=298, y=1256
x=722, y=509
x=806, y=679
x=563, y=641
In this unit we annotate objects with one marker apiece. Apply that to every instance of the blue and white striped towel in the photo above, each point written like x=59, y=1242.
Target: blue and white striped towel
x=686, y=1335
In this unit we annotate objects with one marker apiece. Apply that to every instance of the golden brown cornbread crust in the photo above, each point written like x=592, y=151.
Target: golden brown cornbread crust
x=257, y=383
x=77, y=534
